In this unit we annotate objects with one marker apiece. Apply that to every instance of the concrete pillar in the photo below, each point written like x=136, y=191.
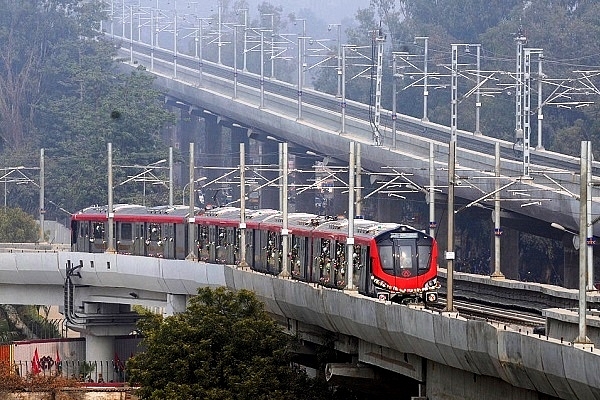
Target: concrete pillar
x=509, y=251
x=176, y=304
x=441, y=234
x=99, y=348
x=212, y=153
x=238, y=135
x=305, y=201
x=269, y=196
x=571, y=262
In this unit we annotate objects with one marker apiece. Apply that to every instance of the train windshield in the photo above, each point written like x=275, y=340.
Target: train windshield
x=405, y=256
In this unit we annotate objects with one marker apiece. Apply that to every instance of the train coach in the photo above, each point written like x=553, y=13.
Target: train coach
x=391, y=261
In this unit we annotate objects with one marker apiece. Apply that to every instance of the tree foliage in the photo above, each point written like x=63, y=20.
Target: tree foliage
x=566, y=30
x=11, y=381
x=61, y=89
x=16, y=226
x=224, y=346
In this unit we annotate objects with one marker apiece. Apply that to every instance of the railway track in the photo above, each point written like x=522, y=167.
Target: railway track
x=489, y=313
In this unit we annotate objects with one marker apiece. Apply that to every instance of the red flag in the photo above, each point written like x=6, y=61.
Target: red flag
x=119, y=366
x=36, y=368
x=57, y=361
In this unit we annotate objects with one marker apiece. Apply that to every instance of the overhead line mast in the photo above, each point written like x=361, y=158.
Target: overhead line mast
x=378, y=39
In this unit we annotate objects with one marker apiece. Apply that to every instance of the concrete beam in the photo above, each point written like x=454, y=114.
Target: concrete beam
x=354, y=371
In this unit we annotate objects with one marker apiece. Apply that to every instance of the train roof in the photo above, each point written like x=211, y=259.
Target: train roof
x=300, y=221
x=134, y=210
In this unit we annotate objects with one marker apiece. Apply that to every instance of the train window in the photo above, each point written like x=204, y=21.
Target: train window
x=386, y=256
x=98, y=230
x=154, y=232
x=404, y=257
x=424, y=257
x=83, y=230
x=126, y=231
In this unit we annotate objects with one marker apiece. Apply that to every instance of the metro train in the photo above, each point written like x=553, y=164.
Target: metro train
x=391, y=261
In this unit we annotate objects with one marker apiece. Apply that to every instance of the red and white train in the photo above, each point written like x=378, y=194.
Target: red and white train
x=391, y=261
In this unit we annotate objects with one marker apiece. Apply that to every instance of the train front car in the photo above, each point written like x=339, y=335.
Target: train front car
x=404, y=266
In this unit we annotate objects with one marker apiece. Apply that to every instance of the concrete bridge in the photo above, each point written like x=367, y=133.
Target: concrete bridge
x=454, y=357
x=255, y=106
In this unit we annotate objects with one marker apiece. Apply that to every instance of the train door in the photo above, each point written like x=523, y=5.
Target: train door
x=168, y=240
x=212, y=241
x=203, y=243
x=365, y=271
x=233, y=244
x=273, y=252
x=300, y=258
x=180, y=241
x=139, y=245
x=80, y=240
x=97, y=237
x=325, y=261
x=249, y=247
x=339, y=265
x=260, y=250
x=224, y=245
x=154, y=247
x=125, y=240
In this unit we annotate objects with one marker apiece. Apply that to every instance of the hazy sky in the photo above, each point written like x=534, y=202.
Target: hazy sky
x=330, y=10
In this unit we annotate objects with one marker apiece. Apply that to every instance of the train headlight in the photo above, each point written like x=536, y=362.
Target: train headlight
x=431, y=283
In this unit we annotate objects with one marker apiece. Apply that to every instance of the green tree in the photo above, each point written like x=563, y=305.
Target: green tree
x=61, y=89
x=16, y=226
x=224, y=346
x=30, y=32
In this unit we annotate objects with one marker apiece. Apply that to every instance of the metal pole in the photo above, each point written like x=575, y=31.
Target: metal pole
x=350, y=240
x=175, y=45
x=358, y=180
x=171, y=176
x=526, y=109
x=450, y=255
x=285, y=271
x=497, y=274
x=540, y=115
x=242, y=225
x=152, y=40
x=245, y=38
x=343, y=102
x=300, y=73
x=235, y=68
x=191, y=213
x=200, y=62
x=583, y=254
x=280, y=183
x=262, y=69
x=219, y=43
x=272, y=48
x=425, y=88
x=110, y=211
x=588, y=223
x=339, y=32
x=477, y=92
x=42, y=195
x=432, y=222
x=131, y=34
x=394, y=94
x=454, y=91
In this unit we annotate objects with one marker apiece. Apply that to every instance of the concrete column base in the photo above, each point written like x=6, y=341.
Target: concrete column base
x=176, y=304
